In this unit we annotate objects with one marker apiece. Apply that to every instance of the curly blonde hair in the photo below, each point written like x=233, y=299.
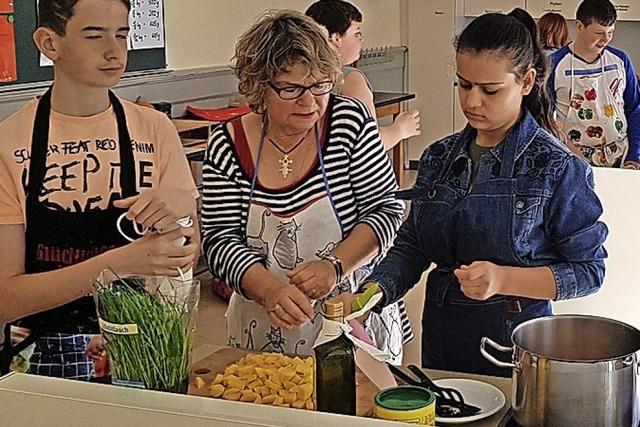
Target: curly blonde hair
x=275, y=42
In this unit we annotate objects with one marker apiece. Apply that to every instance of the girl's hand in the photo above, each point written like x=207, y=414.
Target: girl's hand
x=481, y=280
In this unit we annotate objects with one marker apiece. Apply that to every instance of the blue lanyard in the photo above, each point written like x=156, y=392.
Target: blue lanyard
x=254, y=178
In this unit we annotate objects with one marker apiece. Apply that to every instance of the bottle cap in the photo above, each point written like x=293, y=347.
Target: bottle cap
x=334, y=308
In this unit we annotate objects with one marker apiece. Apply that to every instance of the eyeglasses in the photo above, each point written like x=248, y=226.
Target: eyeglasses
x=292, y=91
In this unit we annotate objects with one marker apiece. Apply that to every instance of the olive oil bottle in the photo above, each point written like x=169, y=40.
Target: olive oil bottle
x=336, y=369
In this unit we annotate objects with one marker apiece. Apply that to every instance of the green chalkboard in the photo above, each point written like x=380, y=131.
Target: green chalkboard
x=28, y=56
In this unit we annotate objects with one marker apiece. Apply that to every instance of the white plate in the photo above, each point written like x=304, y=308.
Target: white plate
x=485, y=396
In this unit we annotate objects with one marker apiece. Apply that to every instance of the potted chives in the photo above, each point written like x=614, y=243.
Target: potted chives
x=148, y=325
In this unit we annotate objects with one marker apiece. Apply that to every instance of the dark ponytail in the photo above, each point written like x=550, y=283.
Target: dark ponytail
x=514, y=36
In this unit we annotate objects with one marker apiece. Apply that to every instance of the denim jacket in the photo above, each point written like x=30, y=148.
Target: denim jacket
x=549, y=214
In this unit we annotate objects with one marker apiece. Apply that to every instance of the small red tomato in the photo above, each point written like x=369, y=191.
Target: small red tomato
x=101, y=366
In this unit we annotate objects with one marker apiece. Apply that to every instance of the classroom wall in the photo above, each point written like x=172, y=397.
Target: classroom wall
x=618, y=298
x=202, y=33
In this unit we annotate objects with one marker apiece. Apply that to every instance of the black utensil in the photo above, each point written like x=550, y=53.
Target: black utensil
x=449, y=401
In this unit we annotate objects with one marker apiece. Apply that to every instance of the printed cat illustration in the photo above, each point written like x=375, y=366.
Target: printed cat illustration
x=275, y=340
x=285, y=248
x=257, y=243
x=249, y=333
x=327, y=250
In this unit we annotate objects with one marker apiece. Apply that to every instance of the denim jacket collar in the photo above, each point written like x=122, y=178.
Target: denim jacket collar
x=521, y=134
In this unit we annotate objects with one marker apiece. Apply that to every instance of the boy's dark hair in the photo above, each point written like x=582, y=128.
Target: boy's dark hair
x=514, y=38
x=334, y=15
x=54, y=14
x=601, y=11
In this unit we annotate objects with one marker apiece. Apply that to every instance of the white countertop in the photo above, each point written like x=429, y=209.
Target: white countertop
x=31, y=400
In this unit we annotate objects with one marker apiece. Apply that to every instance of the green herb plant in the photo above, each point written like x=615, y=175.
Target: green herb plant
x=158, y=356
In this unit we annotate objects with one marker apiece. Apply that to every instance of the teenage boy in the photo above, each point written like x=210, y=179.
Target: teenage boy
x=595, y=91
x=343, y=21
x=73, y=162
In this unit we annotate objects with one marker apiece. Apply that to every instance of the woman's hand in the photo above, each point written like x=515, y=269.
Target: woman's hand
x=315, y=279
x=287, y=306
x=481, y=280
x=158, y=208
x=157, y=254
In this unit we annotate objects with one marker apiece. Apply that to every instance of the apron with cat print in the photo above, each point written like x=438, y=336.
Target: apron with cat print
x=595, y=120
x=285, y=242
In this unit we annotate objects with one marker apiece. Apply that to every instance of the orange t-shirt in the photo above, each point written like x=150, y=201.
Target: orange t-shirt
x=83, y=170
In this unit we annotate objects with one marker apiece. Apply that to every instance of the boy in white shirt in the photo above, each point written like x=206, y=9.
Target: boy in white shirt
x=596, y=94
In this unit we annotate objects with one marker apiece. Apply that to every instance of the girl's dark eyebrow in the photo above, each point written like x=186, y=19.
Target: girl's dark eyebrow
x=479, y=84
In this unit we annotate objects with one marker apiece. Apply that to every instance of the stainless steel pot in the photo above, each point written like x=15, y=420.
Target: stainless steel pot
x=573, y=370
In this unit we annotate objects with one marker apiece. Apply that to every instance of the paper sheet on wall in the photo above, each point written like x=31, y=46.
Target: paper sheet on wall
x=146, y=21
x=44, y=61
x=147, y=24
x=8, y=71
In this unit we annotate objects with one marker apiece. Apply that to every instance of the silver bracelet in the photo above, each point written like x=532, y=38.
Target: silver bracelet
x=337, y=265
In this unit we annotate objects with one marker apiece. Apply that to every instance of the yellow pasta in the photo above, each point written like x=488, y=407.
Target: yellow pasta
x=199, y=382
x=266, y=378
x=216, y=390
x=231, y=394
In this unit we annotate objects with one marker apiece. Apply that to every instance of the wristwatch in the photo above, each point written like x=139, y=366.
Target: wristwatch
x=337, y=265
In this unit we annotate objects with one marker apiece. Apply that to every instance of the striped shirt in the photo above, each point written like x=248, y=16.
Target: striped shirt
x=359, y=176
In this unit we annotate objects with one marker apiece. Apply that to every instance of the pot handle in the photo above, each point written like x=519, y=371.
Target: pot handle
x=498, y=347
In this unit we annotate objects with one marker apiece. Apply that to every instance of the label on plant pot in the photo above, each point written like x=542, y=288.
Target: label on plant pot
x=130, y=384
x=114, y=328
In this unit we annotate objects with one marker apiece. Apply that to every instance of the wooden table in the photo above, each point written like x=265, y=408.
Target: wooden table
x=390, y=104
x=187, y=126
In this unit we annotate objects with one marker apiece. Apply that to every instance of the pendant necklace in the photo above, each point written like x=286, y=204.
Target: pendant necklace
x=285, y=162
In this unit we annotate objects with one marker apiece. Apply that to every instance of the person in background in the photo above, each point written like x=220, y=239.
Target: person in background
x=343, y=20
x=505, y=211
x=298, y=194
x=74, y=161
x=595, y=92
x=553, y=32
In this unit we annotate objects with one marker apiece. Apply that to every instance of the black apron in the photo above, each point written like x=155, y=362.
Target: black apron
x=55, y=239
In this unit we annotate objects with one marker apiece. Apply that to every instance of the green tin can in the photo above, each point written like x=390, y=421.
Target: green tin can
x=406, y=403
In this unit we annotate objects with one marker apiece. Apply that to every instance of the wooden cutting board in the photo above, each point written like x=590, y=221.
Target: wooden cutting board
x=215, y=363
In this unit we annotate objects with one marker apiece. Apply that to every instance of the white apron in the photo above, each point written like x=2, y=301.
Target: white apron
x=285, y=242
x=595, y=120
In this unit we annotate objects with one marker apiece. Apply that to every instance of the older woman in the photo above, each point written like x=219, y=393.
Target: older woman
x=298, y=194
